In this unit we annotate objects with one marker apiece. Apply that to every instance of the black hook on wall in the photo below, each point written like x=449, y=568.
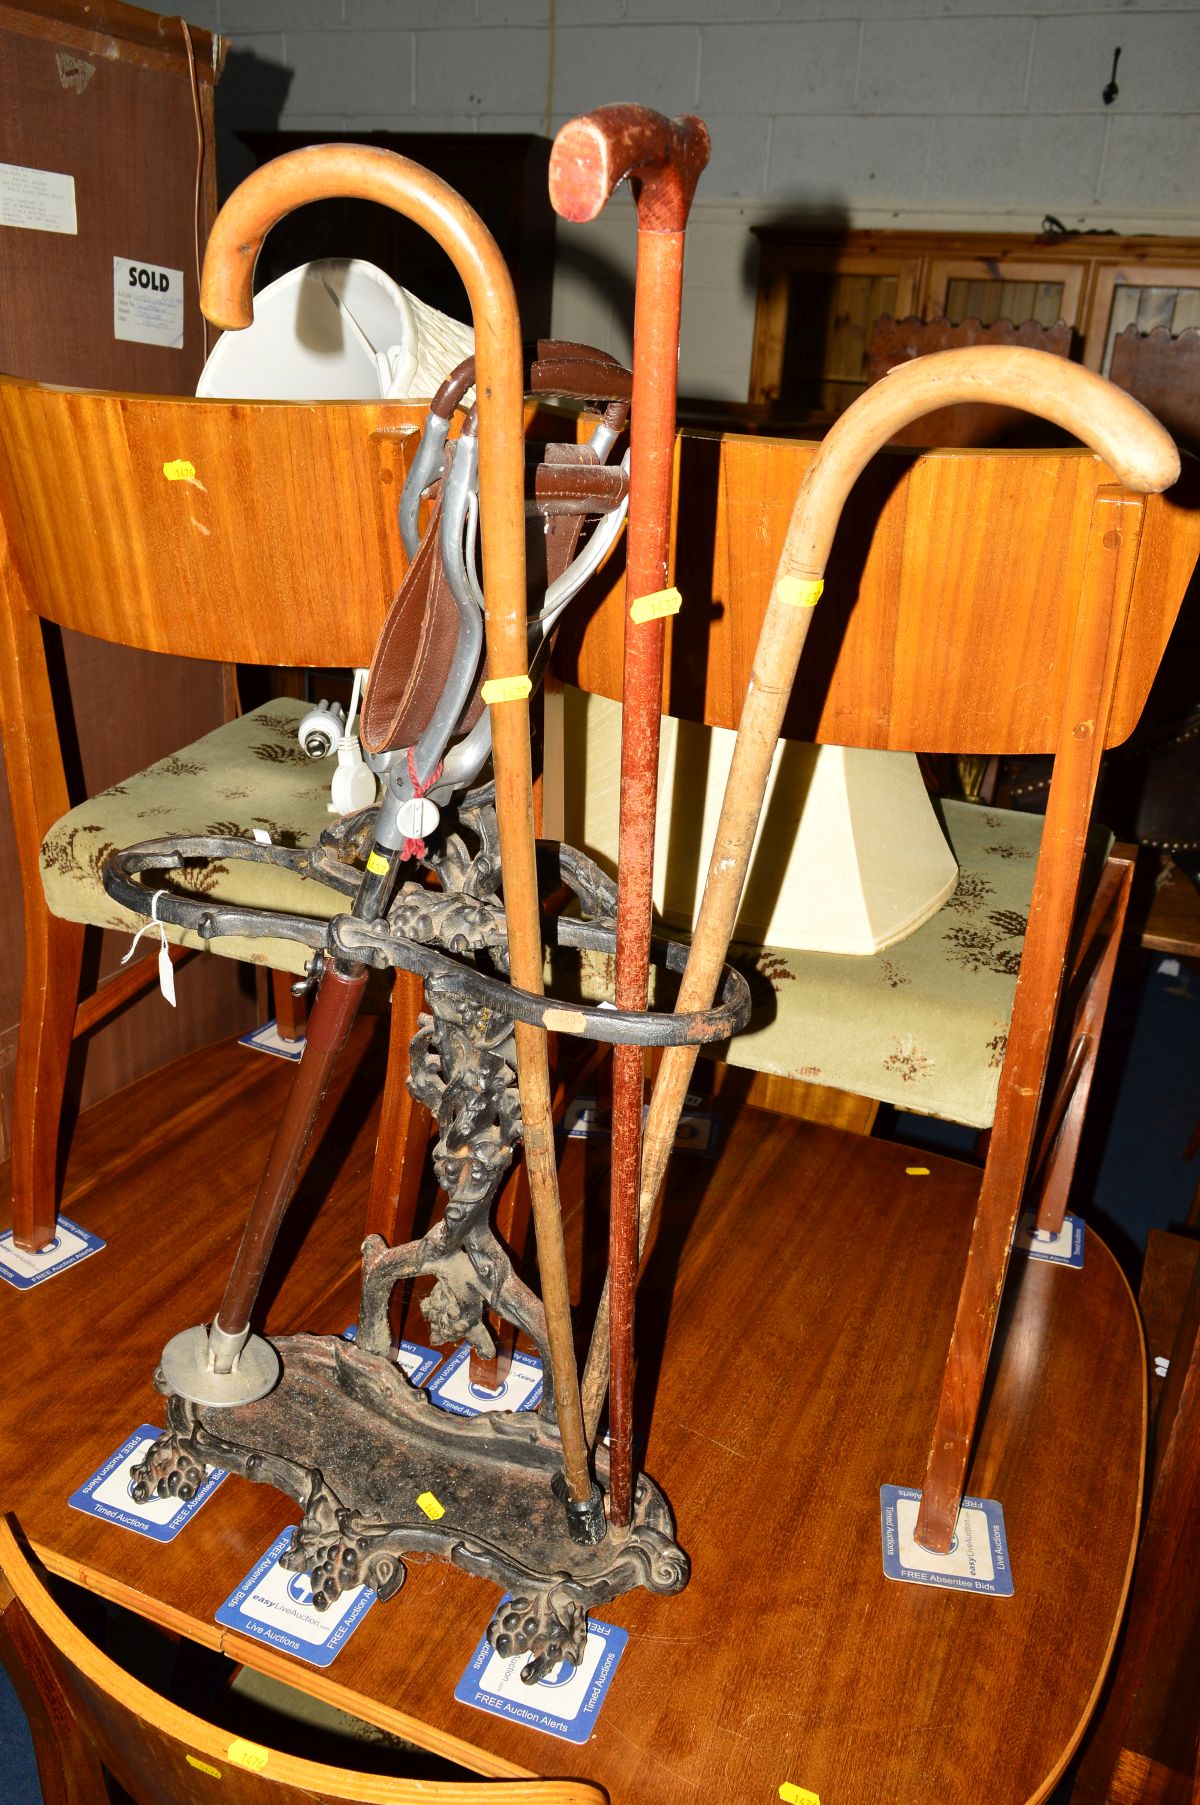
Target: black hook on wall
x=1109, y=94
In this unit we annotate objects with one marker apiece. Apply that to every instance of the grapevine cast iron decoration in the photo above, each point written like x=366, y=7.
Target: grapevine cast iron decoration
x=344, y=1432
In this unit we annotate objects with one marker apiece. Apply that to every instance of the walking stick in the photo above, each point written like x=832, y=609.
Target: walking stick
x=662, y=159
x=365, y=173
x=1128, y=438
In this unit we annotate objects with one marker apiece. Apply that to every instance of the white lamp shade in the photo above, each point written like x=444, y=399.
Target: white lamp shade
x=849, y=856
x=338, y=329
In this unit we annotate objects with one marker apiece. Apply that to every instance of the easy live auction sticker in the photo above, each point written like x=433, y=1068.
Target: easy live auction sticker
x=453, y=1389
x=417, y=1361
x=70, y=1245
x=1064, y=1248
x=109, y=1493
x=275, y=1606
x=566, y=1703
x=978, y=1557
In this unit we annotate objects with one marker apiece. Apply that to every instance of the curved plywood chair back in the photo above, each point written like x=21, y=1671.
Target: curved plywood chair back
x=950, y=605
x=163, y=1755
x=250, y=532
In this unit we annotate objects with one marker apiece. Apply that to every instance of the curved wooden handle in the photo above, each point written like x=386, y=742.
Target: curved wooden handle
x=662, y=160
x=335, y=172
x=364, y=172
x=1142, y=454
x=1130, y=439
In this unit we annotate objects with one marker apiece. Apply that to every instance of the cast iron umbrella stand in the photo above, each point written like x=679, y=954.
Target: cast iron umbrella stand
x=377, y=1469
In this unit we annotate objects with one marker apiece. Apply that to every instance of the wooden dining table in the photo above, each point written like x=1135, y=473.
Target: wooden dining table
x=791, y=1337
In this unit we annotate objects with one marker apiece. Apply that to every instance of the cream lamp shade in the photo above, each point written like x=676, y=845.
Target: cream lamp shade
x=338, y=329
x=849, y=858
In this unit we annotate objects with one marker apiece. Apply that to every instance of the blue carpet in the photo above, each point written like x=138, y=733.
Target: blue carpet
x=1144, y=1123
x=18, y=1770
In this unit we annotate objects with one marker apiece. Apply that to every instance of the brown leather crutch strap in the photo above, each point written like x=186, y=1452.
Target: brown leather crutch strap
x=414, y=651
x=559, y=367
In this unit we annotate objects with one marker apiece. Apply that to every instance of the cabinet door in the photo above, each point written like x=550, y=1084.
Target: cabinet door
x=988, y=289
x=814, y=320
x=1144, y=295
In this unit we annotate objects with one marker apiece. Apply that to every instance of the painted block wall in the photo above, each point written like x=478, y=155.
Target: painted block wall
x=960, y=114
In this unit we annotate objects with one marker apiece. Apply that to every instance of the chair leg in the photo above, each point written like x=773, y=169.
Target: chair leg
x=291, y=1013
x=53, y=960
x=404, y=1126
x=1088, y=1022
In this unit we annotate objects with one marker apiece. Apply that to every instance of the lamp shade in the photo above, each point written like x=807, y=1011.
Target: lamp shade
x=338, y=329
x=849, y=856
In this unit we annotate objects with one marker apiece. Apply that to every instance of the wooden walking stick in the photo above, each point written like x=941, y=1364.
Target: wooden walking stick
x=1111, y=422
x=662, y=160
x=365, y=173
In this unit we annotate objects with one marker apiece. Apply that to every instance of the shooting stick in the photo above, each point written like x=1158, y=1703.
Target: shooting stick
x=662, y=160
x=364, y=173
x=1128, y=438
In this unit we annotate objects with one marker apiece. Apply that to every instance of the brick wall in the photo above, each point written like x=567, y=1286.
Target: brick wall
x=958, y=113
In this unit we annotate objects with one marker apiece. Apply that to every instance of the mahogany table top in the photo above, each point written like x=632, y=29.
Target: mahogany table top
x=792, y=1323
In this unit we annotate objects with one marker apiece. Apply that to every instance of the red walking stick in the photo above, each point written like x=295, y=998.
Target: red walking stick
x=662, y=160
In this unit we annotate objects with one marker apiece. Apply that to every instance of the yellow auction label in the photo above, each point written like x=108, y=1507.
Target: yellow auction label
x=655, y=607
x=797, y=1795
x=506, y=689
x=430, y=1505
x=249, y=1754
x=179, y=470
x=916, y=1171
x=800, y=592
x=205, y=1767
x=377, y=865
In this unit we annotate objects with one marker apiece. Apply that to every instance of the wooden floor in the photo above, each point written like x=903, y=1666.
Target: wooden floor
x=792, y=1328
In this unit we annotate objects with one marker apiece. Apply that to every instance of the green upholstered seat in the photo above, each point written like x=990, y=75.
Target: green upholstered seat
x=923, y=1025
x=248, y=774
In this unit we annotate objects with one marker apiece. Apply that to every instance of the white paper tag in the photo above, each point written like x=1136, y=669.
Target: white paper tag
x=166, y=974
x=147, y=303
x=37, y=200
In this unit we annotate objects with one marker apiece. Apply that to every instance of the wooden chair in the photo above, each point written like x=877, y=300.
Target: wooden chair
x=252, y=534
x=894, y=342
x=1038, y=629
x=90, y=1717
x=1163, y=370
x=922, y=1025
